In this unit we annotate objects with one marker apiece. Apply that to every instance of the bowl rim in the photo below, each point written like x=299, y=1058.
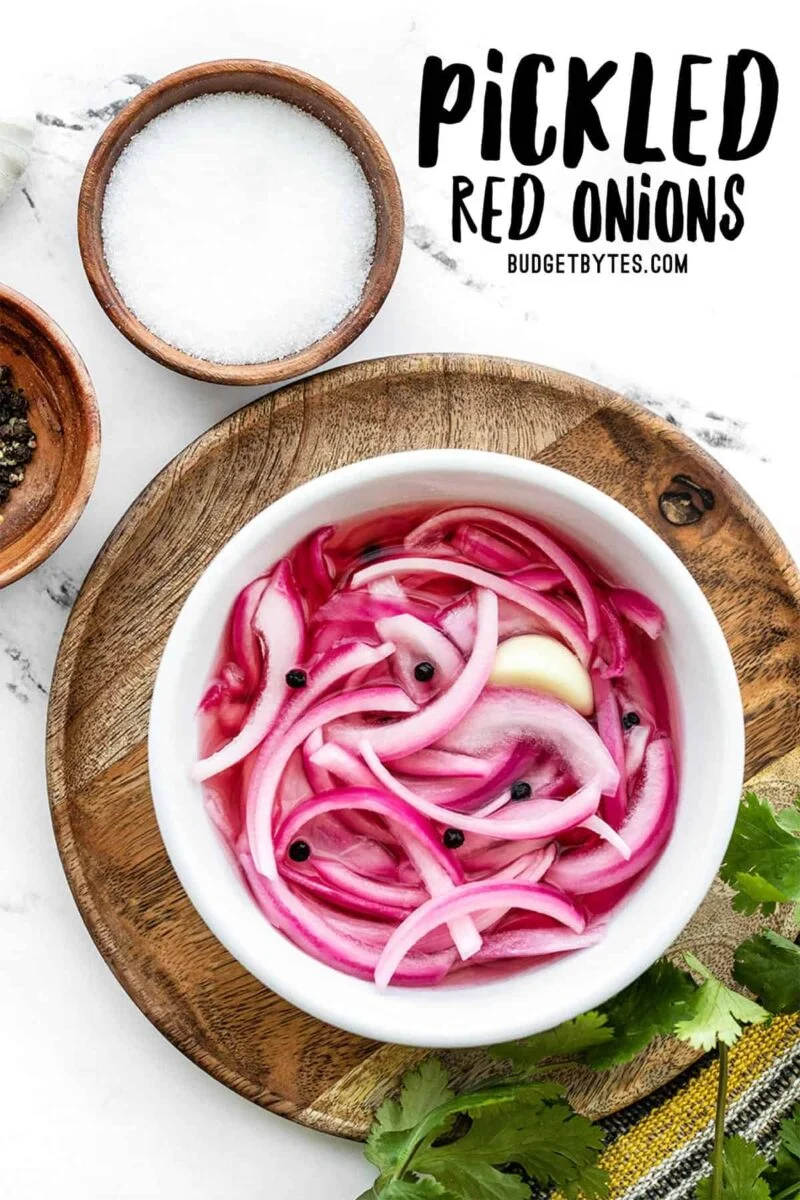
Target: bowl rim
x=385, y=190
x=84, y=393
x=474, y=1026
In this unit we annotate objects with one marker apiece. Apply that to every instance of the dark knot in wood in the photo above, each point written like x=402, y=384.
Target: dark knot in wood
x=687, y=504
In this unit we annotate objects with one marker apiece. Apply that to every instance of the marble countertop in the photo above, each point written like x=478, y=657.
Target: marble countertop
x=94, y=1101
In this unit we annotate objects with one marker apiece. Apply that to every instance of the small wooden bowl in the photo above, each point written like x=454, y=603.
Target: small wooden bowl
x=63, y=414
x=316, y=98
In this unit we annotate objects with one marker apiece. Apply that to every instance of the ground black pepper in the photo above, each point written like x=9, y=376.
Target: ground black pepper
x=17, y=439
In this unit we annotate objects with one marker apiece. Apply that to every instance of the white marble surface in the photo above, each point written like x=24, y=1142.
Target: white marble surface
x=94, y=1102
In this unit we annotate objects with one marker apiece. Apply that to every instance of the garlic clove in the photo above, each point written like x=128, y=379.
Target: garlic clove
x=542, y=664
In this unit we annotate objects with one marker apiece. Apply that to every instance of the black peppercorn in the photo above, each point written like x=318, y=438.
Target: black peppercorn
x=296, y=678
x=299, y=851
x=521, y=790
x=630, y=719
x=17, y=439
x=424, y=672
x=453, y=838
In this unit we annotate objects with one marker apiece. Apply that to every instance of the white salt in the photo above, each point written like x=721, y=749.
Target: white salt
x=238, y=228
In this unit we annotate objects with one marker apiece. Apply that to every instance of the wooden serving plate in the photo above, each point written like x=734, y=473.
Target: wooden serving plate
x=139, y=916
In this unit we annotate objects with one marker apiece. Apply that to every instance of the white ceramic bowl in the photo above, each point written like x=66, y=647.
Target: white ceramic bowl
x=708, y=724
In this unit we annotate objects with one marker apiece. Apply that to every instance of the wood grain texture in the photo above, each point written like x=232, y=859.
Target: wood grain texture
x=141, y=920
x=63, y=414
x=297, y=88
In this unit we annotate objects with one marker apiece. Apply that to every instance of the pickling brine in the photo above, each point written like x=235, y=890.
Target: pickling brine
x=439, y=740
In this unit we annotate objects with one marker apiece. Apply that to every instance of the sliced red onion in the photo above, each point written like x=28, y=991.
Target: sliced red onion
x=513, y=716
x=619, y=647
x=351, y=902
x=535, y=602
x=346, y=766
x=525, y=529
x=275, y=755
x=320, y=569
x=417, y=641
x=528, y=867
x=609, y=726
x=443, y=764
x=217, y=810
x=231, y=715
x=280, y=626
x=363, y=607
x=374, y=794
x=635, y=745
x=350, y=768
x=458, y=621
x=468, y=899
x=368, y=845
x=540, y=579
x=246, y=647
x=645, y=829
x=639, y=610
x=438, y=870
x=318, y=937
x=350, y=882
x=492, y=806
x=442, y=714
x=531, y=866
x=607, y=832
x=486, y=549
x=370, y=932
x=329, y=669
x=317, y=776
x=534, y=943
x=514, y=621
x=229, y=686
x=383, y=804
x=525, y=819
x=485, y=855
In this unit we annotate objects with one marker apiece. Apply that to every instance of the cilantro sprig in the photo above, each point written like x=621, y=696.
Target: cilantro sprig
x=783, y=1176
x=768, y=965
x=429, y=1143
x=762, y=863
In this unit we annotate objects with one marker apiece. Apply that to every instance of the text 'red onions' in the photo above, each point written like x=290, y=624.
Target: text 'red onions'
x=397, y=810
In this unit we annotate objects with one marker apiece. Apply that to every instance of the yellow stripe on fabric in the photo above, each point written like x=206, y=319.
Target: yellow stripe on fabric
x=680, y=1119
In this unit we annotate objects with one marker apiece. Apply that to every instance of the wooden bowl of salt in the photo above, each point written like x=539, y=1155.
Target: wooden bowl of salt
x=251, y=233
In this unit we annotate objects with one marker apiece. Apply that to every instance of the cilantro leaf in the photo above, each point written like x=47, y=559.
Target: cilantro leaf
x=571, y=1037
x=550, y=1142
x=395, y=1152
x=762, y=862
x=742, y=1171
x=716, y=1013
x=422, y=1090
x=649, y=1007
x=789, y=818
x=417, y=1189
x=784, y=1176
x=790, y=1134
x=478, y=1179
x=769, y=966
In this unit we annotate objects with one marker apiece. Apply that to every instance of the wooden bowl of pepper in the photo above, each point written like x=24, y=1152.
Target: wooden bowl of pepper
x=49, y=436
x=302, y=91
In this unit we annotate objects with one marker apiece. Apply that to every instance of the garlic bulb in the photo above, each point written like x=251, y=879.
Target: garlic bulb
x=16, y=139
